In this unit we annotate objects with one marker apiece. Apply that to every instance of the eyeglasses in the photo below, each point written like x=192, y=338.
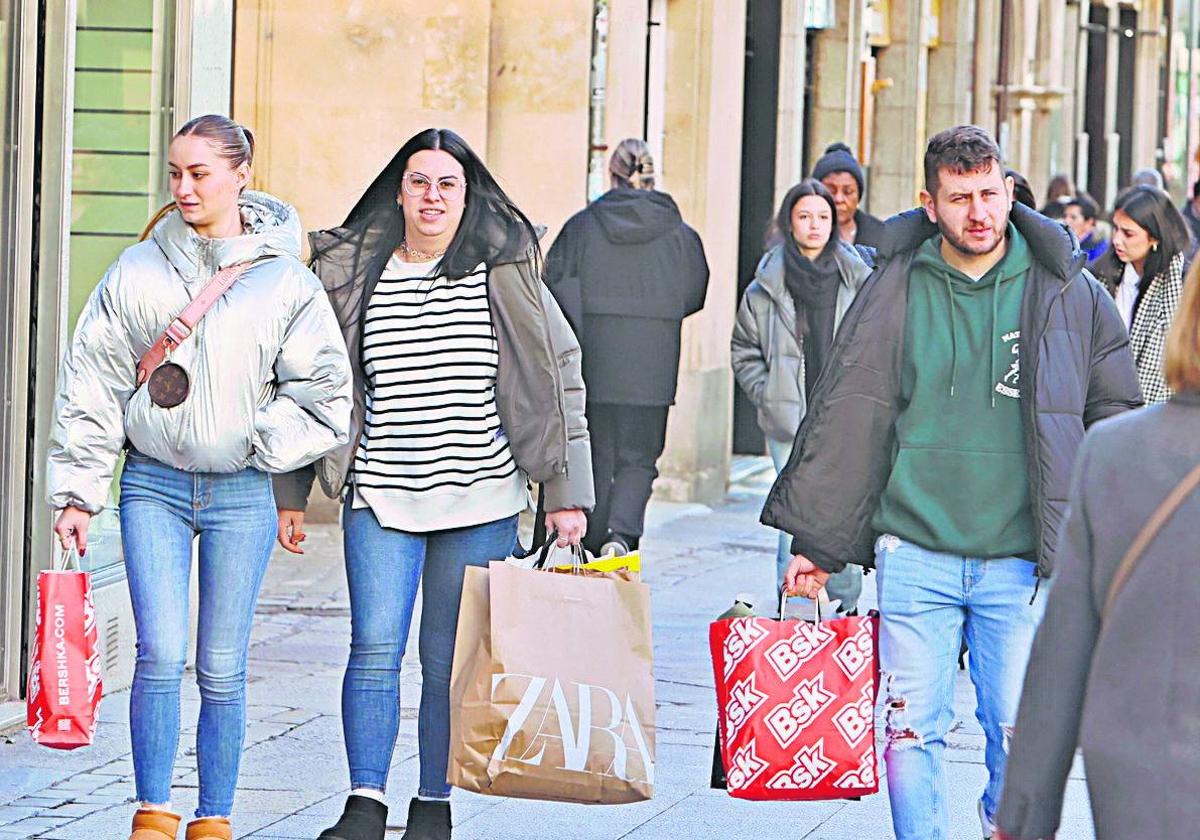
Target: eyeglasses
x=449, y=187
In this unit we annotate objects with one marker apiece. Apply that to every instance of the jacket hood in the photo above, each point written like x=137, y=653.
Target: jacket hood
x=630, y=217
x=770, y=272
x=1050, y=244
x=272, y=229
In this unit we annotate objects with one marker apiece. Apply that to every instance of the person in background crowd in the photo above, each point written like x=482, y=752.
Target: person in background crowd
x=627, y=271
x=1022, y=192
x=968, y=368
x=268, y=363
x=1139, y=746
x=842, y=175
x=1080, y=216
x=467, y=383
x=1060, y=190
x=1144, y=271
x=1191, y=215
x=1147, y=177
x=785, y=328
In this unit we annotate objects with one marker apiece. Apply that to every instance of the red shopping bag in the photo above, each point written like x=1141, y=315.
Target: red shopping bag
x=796, y=706
x=64, y=676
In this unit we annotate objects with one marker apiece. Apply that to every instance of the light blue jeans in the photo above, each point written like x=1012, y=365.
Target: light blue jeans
x=162, y=511
x=384, y=568
x=846, y=585
x=927, y=600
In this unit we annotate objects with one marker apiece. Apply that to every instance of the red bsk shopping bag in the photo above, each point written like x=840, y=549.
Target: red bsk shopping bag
x=796, y=706
x=64, y=676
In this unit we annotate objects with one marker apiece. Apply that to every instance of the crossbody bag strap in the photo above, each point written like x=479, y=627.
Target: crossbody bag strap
x=179, y=329
x=1146, y=536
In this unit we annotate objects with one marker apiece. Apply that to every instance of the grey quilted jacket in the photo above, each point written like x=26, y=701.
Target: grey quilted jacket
x=768, y=361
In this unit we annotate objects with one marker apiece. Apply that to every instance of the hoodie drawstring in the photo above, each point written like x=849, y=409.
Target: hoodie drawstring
x=991, y=333
x=953, y=334
x=994, y=337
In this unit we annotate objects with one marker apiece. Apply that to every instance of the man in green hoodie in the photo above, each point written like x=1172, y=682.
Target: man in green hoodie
x=964, y=379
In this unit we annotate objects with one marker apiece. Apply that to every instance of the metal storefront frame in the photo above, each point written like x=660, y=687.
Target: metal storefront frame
x=17, y=208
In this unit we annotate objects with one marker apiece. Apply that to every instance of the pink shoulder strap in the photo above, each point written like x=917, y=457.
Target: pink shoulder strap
x=179, y=329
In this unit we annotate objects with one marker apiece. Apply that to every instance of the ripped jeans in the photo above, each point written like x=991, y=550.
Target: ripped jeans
x=927, y=601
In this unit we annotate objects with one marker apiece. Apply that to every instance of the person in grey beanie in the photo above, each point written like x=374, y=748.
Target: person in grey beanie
x=842, y=175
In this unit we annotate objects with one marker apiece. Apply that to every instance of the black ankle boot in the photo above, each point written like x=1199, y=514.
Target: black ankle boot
x=364, y=818
x=427, y=821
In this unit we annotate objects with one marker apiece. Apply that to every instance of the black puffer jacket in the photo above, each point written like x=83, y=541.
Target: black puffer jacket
x=626, y=272
x=1077, y=371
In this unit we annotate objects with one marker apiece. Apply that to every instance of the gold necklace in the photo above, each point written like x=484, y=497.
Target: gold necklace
x=419, y=256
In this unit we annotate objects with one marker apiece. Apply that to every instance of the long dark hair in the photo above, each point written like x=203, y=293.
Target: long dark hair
x=783, y=219
x=1151, y=209
x=493, y=230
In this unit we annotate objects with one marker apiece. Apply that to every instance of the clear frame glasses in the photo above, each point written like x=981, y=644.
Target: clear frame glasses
x=449, y=187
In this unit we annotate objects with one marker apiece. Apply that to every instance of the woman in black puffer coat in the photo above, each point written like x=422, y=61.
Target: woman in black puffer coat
x=626, y=271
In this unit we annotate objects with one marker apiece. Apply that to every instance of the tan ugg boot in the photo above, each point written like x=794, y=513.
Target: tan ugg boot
x=149, y=824
x=210, y=828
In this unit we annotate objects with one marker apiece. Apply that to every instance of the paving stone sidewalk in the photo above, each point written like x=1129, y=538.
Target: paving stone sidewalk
x=294, y=777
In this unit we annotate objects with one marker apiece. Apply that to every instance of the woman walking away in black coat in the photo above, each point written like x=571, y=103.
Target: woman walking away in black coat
x=626, y=272
x=1108, y=674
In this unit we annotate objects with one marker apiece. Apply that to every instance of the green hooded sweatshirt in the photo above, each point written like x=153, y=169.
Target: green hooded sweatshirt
x=959, y=480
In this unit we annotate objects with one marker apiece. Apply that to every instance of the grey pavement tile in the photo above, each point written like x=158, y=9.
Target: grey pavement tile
x=725, y=817
x=36, y=825
x=15, y=813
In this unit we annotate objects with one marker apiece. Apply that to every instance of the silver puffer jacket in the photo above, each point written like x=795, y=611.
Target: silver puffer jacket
x=271, y=386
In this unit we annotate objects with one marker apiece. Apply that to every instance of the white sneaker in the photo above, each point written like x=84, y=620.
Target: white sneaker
x=615, y=547
x=989, y=827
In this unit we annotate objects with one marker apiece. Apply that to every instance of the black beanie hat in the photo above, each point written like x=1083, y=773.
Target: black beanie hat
x=839, y=158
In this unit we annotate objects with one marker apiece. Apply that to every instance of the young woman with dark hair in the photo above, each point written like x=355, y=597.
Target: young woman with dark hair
x=785, y=328
x=467, y=384
x=261, y=384
x=1144, y=271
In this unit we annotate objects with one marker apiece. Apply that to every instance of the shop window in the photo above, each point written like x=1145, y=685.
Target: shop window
x=123, y=59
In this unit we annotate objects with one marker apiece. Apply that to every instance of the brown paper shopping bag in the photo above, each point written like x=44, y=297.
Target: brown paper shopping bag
x=552, y=695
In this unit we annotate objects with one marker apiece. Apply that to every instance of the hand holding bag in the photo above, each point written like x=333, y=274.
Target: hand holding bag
x=64, y=676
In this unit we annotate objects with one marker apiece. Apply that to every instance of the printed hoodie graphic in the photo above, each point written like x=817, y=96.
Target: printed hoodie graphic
x=958, y=481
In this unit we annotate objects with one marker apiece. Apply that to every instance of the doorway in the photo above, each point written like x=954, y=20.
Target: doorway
x=760, y=110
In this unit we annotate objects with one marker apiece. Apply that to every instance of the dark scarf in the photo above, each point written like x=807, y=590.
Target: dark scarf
x=813, y=285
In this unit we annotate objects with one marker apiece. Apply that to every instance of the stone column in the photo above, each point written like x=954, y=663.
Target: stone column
x=539, y=60
x=900, y=112
x=789, y=153
x=702, y=156
x=951, y=99
x=837, y=65
x=426, y=68
x=1151, y=46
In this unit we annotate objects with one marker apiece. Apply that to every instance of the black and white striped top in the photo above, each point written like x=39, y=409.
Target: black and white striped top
x=433, y=454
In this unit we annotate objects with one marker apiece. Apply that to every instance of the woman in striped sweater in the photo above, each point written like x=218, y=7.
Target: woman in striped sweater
x=468, y=384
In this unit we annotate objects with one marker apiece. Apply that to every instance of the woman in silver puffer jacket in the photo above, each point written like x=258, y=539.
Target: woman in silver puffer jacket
x=268, y=389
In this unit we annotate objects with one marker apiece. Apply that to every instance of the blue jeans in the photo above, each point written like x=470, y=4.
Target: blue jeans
x=927, y=600
x=846, y=585
x=384, y=568
x=162, y=510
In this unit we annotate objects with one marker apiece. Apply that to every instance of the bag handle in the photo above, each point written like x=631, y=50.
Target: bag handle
x=577, y=558
x=178, y=330
x=822, y=600
x=66, y=558
x=1158, y=519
